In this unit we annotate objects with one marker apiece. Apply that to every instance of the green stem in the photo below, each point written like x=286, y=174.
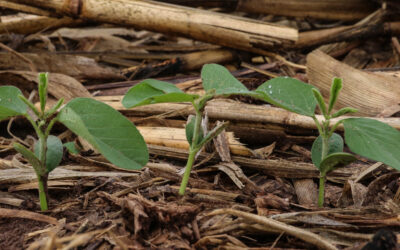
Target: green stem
x=192, y=151
x=34, y=125
x=319, y=127
x=50, y=126
x=43, y=192
x=197, y=125
x=30, y=105
x=189, y=164
x=334, y=127
x=212, y=134
x=41, y=176
x=321, y=195
x=324, y=153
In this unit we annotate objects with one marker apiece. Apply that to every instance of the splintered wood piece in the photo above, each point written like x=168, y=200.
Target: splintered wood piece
x=303, y=234
x=50, y=185
x=341, y=48
x=78, y=67
x=225, y=109
x=264, y=152
x=8, y=199
x=176, y=138
x=229, y=196
x=273, y=167
x=368, y=92
x=24, y=175
x=31, y=24
x=196, y=60
x=23, y=214
x=233, y=171
x=221, y=143
x=227, y=30
x=322, y=9
x=346, y=33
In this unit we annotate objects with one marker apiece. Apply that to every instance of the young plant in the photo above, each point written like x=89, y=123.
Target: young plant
x=367, y=137
x=102, y=126
x=217, y=81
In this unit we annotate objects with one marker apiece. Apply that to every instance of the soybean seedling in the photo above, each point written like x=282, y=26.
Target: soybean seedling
x=102, y=126
x=217, y=81
x=367, y=137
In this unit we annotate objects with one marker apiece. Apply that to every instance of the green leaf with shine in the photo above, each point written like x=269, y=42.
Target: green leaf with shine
x=334, y=161
x=10, y=104
x=374, y=140
x=152, y=91
x=112, y=134
x=335, y=145
x=215, y=76
x=290, y=94
x=54, y=152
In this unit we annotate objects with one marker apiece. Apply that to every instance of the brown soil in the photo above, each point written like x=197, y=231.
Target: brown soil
x=13, y=232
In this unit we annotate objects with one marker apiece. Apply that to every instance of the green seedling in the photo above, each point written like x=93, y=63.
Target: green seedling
x=217, y=81
x=103, y=127
x=366, y=137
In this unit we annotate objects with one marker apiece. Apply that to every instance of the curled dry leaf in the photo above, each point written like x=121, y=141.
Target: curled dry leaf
x=353, y=194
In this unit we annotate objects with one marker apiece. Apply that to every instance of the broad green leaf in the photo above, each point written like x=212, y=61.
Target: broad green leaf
x=320, y=101
x=334, y=161
x=290, y=94
x=30, y=157
x=112, y=134
x=72, y=149
x=335, y=89
x=152, y=91
x=335, y=145
x=215, y=76
x=43, y=83
x=10, y=104
x=54, y=152
x=374, y=140
x=190, y=131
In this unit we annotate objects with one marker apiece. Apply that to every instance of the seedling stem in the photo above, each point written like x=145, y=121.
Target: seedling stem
x=193, y=149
